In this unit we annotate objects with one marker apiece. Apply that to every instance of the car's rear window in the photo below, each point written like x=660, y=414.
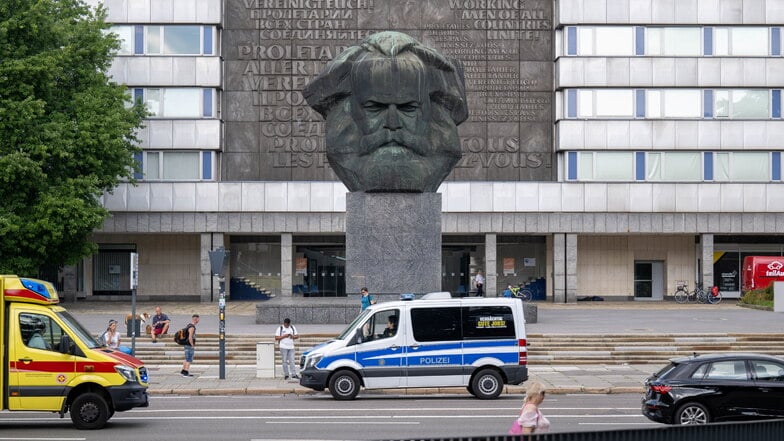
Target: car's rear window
x=666, y=369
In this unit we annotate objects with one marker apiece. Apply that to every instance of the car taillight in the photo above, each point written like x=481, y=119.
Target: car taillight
x=661, y=389
x=523, y=352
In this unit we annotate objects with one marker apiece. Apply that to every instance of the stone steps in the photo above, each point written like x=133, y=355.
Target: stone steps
x=542, y=350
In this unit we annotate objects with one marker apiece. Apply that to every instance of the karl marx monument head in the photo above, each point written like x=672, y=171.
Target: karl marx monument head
x=392, y=107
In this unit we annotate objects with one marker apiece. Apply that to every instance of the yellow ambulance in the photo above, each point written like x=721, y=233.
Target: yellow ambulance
x=52, y=363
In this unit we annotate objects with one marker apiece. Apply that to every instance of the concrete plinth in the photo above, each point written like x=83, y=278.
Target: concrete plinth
x=393, y=242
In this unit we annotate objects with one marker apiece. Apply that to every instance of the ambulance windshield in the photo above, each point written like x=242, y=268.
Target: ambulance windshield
x=78, y=330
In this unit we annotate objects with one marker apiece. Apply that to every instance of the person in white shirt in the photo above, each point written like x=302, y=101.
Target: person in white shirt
x=479, y=281
x=285, y=336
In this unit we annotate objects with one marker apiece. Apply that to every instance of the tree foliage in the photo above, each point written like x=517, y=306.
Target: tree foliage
x=67, y=132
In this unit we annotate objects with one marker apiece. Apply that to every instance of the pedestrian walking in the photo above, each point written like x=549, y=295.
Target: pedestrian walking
x=285, y=336
x=189, y=346
x=531, y=419
x=366, y=299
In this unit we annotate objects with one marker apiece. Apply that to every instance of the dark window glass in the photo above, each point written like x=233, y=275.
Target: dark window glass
x=436, y=324
x=488, y=322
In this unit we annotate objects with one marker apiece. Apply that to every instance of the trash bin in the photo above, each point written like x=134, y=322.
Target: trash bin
x=133, y=325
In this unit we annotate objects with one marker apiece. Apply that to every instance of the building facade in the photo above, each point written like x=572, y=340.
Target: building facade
x=614, y=148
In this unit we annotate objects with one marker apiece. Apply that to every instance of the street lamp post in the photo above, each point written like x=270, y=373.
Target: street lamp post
x=218, y=259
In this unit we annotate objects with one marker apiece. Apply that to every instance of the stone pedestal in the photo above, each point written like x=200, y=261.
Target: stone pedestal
x=393, y=242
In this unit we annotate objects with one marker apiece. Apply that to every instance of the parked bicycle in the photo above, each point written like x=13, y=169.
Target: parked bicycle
x=518, y=292
x=714, y=295
x=683, y=295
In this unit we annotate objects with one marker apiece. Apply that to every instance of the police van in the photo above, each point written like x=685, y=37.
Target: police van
x=438, y=341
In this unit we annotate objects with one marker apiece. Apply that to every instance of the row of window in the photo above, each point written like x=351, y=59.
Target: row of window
x=166, y=39
x=175, y=165
x=674, y=166
x=673, y=103
x=178, y=102
x=753, y=41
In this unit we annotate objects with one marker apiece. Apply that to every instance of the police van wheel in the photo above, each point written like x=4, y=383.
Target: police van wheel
x=344, y=385
x=487, y=384
x=89, y=411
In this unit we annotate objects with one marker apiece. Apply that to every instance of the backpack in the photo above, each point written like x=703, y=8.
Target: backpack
x=181, y=336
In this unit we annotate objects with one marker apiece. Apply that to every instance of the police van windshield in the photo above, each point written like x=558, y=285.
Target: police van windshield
x=349, y=331
x=78, y=331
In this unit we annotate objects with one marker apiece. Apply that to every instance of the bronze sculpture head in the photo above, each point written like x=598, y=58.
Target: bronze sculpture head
x=392, y=107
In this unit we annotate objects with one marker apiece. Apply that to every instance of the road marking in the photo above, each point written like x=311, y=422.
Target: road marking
x=396, y=423
x=16, y=438
x=387, y=409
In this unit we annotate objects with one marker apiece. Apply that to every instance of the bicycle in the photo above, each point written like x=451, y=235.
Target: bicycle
x=681, y=293
x=699, y=294
x=714, y=296
x=518, y=292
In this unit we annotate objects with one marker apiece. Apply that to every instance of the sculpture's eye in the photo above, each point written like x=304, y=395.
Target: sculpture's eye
x=374, y=106
x=411, y=106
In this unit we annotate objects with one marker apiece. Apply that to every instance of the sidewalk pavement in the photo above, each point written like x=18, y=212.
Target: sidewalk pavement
x=589, y=318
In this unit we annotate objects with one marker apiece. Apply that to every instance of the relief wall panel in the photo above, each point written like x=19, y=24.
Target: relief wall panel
x=273, y=48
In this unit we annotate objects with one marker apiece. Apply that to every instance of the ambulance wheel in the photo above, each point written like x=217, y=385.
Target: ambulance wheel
x=344, y=385
x=487, y=384
x=89, y=411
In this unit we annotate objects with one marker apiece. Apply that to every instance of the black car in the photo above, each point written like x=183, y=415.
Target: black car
x=719, y=387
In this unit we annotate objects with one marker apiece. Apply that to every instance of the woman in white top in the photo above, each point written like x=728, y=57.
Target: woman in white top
x=111, y=338
x=531, y=418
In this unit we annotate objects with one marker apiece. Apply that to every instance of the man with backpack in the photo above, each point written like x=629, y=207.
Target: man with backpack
x=285, y=336
x=189, y=343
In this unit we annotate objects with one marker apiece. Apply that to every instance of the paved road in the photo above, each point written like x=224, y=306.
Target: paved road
x=375, y=416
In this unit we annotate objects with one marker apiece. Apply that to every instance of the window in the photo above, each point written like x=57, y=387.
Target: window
x=611, y=166
x=39, y=331
x=609, y=41
x=673, y=166
x=673, y=42
x=614, y=103
x=166, y=39
x=126, y=36
x=178, y=102
x=767, y=370
x=674, y=103
x=742, y=166
x=488, y=322
x=727, y=370
x=605, y=166
x=605, y=41
x=382, y=324
x=436, y=324
x=742, y=104
x=741, y=41
x=177, y=165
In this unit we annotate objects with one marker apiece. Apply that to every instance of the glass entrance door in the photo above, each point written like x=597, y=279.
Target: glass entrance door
x=648, y=280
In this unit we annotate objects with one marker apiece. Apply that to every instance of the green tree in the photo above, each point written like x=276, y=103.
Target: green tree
x=67, y=132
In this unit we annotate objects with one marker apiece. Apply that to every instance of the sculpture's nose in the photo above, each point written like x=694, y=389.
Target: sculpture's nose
x=393, y=119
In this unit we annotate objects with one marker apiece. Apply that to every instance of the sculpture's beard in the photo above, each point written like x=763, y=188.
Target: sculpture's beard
x=392, y=161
